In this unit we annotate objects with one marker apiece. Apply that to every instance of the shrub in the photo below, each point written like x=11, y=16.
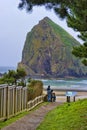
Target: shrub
x=35, y=88
x=21, y=83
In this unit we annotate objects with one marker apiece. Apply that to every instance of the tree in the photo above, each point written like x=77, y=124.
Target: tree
x=8, y=77
x=12, y=76
x=81, y=51
x=75, y=13
x=21, y=73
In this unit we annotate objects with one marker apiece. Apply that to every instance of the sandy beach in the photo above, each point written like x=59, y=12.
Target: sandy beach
x=61, y=96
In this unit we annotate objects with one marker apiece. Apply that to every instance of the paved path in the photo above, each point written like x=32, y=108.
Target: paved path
x=32, y=120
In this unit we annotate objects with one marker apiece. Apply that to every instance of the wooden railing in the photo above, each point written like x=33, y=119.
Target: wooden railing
x=13, y=100
x=31, y=104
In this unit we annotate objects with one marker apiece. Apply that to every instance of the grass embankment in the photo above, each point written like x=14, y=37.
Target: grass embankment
x=17, y=117
x=71, y=116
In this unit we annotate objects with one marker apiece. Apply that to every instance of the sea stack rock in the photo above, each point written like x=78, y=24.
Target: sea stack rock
x=47, y=53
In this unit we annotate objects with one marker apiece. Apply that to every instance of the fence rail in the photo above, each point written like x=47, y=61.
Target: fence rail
x=13, y=100
x=35, y=102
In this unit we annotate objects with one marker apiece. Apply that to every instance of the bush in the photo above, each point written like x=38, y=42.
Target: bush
x=45, y=98
x=21, y=83
x=35, y=88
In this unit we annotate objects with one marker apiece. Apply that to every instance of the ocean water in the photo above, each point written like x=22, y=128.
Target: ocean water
x=80, y=83
x=4, y=69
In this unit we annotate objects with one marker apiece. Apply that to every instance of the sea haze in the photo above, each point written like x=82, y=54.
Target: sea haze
x=4, y=69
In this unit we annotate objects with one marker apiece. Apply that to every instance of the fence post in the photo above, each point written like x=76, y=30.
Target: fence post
x=26, y=98
x=22, y=96
x=1, y=100
x=4, y=102
x=15, y=100
x=7, y=105
x=13, y=91
x=74, y=98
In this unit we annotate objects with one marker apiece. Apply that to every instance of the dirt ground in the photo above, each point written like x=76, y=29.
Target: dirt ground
x=32, y=120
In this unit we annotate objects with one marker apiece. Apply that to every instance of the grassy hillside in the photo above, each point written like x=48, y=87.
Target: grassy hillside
x=64, y=36
x=71, y=116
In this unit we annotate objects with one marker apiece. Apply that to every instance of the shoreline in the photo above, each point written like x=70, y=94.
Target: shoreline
x=61, y=96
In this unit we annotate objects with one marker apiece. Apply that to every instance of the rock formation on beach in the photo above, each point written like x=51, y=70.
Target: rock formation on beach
x=47, y=52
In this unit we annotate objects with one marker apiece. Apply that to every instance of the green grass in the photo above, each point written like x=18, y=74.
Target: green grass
x=15, y=118
x=64, y=35
x=71, y=116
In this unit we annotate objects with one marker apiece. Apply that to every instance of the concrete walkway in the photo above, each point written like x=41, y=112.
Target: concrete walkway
x=32, y=120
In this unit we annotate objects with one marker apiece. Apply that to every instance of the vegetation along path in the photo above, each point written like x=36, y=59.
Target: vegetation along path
x=32, y=120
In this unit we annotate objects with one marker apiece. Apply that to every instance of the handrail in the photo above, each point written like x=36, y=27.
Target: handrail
x=32, y=103
x=3, y=86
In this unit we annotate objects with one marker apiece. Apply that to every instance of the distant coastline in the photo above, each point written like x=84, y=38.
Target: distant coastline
x=5, y=69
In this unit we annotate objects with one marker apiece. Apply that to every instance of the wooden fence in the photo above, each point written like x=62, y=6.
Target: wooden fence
x=13, y=100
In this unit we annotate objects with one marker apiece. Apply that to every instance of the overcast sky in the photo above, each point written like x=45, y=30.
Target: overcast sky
x=14, y=26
